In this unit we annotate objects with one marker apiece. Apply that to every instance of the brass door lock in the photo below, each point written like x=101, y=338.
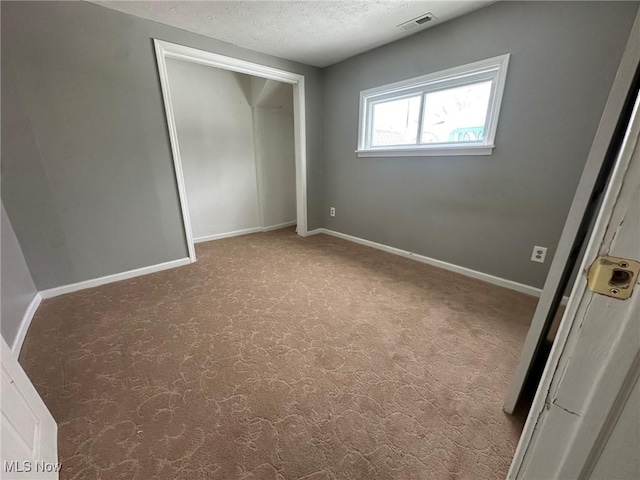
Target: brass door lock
x=613, y=277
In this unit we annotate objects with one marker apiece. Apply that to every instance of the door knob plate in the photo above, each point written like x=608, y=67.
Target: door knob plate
x=612, y=276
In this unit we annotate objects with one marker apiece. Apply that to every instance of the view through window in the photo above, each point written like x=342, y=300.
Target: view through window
x=454, y=108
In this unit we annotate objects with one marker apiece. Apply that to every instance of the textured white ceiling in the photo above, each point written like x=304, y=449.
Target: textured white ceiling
x=317, y=33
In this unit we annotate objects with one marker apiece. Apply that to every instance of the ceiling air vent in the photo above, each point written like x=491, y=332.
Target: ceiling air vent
x=417, y=22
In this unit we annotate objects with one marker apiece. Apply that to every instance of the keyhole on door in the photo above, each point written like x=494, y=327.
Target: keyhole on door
x=620, y=278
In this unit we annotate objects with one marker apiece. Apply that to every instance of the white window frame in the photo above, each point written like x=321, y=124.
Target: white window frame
x=494, y=69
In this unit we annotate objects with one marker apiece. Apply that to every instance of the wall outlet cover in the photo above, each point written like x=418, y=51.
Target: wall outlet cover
x=539, y=254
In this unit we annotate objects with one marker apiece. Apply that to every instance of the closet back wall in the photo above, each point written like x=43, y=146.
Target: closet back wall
x=275, y=150
x=215, y=133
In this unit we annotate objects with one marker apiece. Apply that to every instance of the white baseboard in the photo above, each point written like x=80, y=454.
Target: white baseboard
x=24, y=324
x=116, y=277
x=246, y=231
x=485, y=277
x=279, y=226
x=220, y=236
x=54, y=292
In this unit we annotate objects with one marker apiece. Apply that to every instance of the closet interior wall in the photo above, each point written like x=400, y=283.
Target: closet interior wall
x=236, y=140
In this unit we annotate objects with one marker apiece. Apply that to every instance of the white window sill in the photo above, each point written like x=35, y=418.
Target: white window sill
x=461, y=150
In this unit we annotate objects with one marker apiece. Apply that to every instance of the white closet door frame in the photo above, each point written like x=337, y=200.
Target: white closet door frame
x=166, y=50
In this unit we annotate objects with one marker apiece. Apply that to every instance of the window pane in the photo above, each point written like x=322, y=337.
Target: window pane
x=395, y=122
x=456, y=114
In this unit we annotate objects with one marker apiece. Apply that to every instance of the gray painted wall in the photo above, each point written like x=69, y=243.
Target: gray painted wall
x=18, y=289
x=485, y=213
x=215, y=132
x=87, y=173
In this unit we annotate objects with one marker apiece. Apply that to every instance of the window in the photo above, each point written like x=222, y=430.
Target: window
x=454, y=112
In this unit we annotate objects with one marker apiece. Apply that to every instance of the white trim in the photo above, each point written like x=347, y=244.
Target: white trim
x=279, y=226
x=300, y=140
x=258, y=162
x=485, y=277
x=25, y=323
x=194, y=55
x=116, y=277
x=246, y=231
x=428, y=151
x=166, y=50
x=494, y=69
x=175, y=149
x=54, y=292
x=220, y=236
x=468, y=69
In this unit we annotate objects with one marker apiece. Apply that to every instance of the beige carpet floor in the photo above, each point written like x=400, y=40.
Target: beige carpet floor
x=278, y=357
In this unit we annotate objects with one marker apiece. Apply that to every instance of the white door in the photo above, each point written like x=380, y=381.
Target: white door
x=28, y=442
x=562, y=264
x=585, y=419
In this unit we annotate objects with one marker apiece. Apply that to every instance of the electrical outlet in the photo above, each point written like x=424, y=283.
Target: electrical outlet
x=332, y=211
x=539, y=254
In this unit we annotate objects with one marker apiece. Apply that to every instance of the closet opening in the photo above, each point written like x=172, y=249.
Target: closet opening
x=237, y=132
